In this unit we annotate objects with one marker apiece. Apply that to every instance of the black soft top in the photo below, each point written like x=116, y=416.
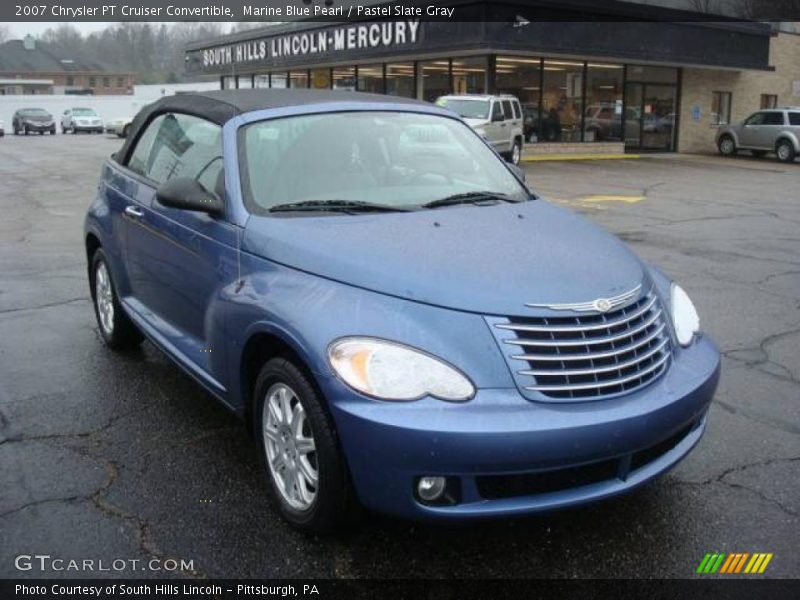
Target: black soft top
x=222, y=105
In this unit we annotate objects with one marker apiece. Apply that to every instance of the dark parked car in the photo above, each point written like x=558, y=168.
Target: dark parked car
x=401, y=322
x=36, y=120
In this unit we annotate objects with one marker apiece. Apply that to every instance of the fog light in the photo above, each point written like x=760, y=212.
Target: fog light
x=431, y=489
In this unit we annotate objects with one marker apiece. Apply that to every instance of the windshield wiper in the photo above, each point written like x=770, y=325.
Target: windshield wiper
x=351, y=206
x=469, y=198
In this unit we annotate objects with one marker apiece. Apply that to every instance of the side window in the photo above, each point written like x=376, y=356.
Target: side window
x=773, y=118
x=517, y=110
x=497, y=111
x=507, y=109
x=794, y=119
x=756, y=119
x=176, y=145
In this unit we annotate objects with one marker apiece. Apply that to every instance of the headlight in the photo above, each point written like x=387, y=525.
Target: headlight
x=392, y=371
x=684, y=315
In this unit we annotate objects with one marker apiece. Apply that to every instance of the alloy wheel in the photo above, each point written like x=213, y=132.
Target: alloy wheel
x=515, y=154
x=290, y=447
x=104, y=296
x=783, y=152
x=726, y=145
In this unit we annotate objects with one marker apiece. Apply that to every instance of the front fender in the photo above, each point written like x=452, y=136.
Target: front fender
x=308, y=312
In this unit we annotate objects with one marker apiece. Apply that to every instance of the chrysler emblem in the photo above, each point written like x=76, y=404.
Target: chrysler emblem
x=602, y=305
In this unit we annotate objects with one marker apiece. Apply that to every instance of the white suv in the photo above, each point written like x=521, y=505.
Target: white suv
x=774, y=130
x=497, y=118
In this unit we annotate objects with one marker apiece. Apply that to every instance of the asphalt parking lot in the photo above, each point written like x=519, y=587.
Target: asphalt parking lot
x=110, y=456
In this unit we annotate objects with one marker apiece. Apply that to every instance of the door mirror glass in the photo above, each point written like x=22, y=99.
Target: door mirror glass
x=185, y=193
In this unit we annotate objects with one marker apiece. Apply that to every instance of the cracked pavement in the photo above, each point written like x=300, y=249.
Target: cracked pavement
x=108, y=456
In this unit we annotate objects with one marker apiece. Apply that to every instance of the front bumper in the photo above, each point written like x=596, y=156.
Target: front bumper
x=509, y=455
x=39, y=126
x=88, y=128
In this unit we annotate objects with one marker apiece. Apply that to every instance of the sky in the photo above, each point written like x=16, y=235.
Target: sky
x=18, y=30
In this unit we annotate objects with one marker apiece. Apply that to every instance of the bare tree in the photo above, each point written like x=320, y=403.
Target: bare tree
x=767, y=10
x=5, y=33
x=705, y=6
x=64, y=36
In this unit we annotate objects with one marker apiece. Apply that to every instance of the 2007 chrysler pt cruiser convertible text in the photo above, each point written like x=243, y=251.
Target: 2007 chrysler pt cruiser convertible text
x=403, y=324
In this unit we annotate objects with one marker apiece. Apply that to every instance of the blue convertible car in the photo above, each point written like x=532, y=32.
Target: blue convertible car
x=402, y=323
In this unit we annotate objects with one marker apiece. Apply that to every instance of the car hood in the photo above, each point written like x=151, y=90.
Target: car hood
x=490, y=260
x=476, y=122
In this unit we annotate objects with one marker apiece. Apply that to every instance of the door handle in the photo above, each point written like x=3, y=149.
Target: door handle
x=134, y=212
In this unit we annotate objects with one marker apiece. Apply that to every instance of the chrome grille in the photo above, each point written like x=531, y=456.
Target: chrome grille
x=589, y=355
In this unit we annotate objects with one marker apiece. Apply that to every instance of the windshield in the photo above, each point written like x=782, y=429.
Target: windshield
x=468, y=109
x=392, y=159
x=83, y=112
x=35, y=112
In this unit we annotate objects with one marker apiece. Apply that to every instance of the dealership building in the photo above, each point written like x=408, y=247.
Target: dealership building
x=591, y=78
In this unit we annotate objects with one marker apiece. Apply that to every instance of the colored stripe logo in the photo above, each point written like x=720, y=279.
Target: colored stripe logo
x=735, y=563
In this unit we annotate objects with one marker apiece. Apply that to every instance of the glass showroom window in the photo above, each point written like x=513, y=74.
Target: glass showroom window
x=521, y=76
x=469, y=75
x=245, y=82
x=344, y=78
x=434, y=79
x=562, y=101
x=652, y=74
x=603, y=114
x=298, y=79
x=400, y=79
x=229, y=83
x=321, y=79
x=279, y=80
x=261, y=81
x=721, y=108
x=370, y=78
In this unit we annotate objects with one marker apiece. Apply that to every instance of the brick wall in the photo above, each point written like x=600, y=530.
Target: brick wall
x=746, y=88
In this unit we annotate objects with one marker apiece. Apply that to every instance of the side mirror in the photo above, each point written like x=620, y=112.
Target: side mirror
x=186, y=193
x=518, y=171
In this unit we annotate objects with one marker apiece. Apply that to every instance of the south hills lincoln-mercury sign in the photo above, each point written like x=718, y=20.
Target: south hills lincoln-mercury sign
x=368, y=36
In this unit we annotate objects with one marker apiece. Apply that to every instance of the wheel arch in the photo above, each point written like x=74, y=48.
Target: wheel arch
x=92, y=243
x=792, y=139
x=264, y=343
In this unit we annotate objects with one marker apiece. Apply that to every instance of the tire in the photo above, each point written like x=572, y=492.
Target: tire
x=759, y=153
x=25, y=129
x=117, y=330
x=785, y=151
x=329, y=504
x=41, y=132
x=515, y=155
x=74, y=131
x=726, y=145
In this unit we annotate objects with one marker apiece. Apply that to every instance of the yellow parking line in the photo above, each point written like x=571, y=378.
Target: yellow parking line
x=612, y=198
x=555, y=157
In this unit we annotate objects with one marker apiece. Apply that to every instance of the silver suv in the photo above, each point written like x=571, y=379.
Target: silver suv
x=776, y=130
x=498, y=119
